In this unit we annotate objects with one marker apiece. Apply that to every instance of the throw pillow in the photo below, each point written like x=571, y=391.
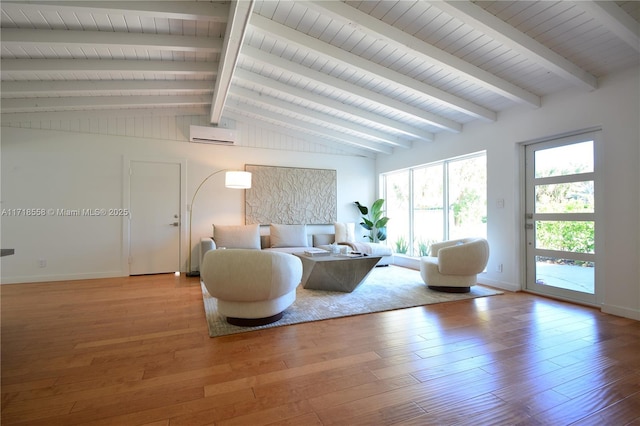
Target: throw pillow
x=345, y=232
x=288, y=235
x=237, y=236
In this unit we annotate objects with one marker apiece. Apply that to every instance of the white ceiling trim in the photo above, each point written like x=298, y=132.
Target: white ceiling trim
x=496, y=28
x=399, y=39
x=347, y=88
x=239, y=14
x=349, y=60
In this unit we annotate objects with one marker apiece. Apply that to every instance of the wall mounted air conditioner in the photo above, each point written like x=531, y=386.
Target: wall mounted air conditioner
x=212, y=135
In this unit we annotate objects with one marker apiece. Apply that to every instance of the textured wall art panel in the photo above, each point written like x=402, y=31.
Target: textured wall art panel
x=290, y=195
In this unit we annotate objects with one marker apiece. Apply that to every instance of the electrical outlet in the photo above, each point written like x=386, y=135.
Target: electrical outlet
x=42, y=263
x=499, y=268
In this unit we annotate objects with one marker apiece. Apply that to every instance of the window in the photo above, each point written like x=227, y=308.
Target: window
x=436, y=202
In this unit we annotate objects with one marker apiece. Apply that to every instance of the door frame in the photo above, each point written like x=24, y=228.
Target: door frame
x=126, y=202
x=598, y=205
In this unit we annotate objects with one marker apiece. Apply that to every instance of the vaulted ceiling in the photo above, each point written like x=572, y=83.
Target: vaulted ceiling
x=371, y=76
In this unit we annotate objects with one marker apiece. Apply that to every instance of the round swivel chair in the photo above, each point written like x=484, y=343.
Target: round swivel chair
x=453, y=265
x=252, y=287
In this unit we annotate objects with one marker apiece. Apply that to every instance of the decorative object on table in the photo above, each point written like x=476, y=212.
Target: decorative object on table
x=374, y=221
x=291, y=195
x=312, y=252
x=453, y=265
x=234, y=179
x=345, y=235
x=385, y=289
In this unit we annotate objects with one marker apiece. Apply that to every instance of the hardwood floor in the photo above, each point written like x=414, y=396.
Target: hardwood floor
x=135, y=351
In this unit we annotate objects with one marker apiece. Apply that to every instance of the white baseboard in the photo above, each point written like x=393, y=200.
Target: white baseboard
x=621, y=311
x=61, y=277
x=502, y=285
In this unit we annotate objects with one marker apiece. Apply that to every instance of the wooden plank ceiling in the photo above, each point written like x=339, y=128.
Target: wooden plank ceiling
x=370, y=76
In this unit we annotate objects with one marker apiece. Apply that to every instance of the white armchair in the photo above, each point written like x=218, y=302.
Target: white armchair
x=453, y=265
x=252, y=287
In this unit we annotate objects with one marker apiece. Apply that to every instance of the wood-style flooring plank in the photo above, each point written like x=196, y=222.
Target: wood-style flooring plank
x=136, y=351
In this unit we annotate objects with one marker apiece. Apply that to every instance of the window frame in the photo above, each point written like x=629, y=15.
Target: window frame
x=383, y=192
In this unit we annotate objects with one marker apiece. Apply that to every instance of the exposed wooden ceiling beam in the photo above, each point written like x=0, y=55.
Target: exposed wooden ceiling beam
x=235, y=110
x=367, y=134
x=24, y=66
x=616, y=20
x=371, y=26
x=19, y=89
x=501, y=31
x=352, y=61
x=100, y=102
x=333, y=83
x=344, y=110
x=124, y=113
x=188, y=10
x=109, y=40
x=318, y=130
x=239, y=14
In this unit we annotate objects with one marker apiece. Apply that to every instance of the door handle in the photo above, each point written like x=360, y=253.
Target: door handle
x=175, y=224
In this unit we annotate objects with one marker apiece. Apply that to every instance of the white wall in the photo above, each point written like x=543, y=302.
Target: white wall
x=615, y=107
x=74, y=170
x=80, y=165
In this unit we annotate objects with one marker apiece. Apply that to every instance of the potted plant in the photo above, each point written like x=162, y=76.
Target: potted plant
x=374, y=221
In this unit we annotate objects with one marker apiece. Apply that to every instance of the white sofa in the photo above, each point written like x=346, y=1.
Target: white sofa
x=252, y=287
x=286, y=239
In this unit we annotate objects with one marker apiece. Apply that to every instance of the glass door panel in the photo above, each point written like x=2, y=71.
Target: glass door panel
x=560, y=219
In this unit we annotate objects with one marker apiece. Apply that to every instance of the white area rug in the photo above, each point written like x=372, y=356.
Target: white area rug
x=386, y=288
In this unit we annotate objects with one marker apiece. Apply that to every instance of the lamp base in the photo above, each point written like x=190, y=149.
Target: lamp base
x=193, y=274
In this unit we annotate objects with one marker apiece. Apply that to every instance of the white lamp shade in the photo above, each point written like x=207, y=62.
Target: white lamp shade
x=237, y=180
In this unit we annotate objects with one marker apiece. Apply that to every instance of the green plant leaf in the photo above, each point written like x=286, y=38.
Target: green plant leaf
x=373, y=220
x=363, y=209
x=381, y=223
x=377, y=205
x=367, y=224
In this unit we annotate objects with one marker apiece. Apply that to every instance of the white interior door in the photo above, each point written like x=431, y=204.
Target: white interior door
x=155, y=217
x=560, y=219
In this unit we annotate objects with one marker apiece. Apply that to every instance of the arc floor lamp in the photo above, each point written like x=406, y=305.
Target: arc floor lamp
x=234, y=179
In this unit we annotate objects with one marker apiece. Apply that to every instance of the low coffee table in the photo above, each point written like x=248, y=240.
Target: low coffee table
x=335, y=272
